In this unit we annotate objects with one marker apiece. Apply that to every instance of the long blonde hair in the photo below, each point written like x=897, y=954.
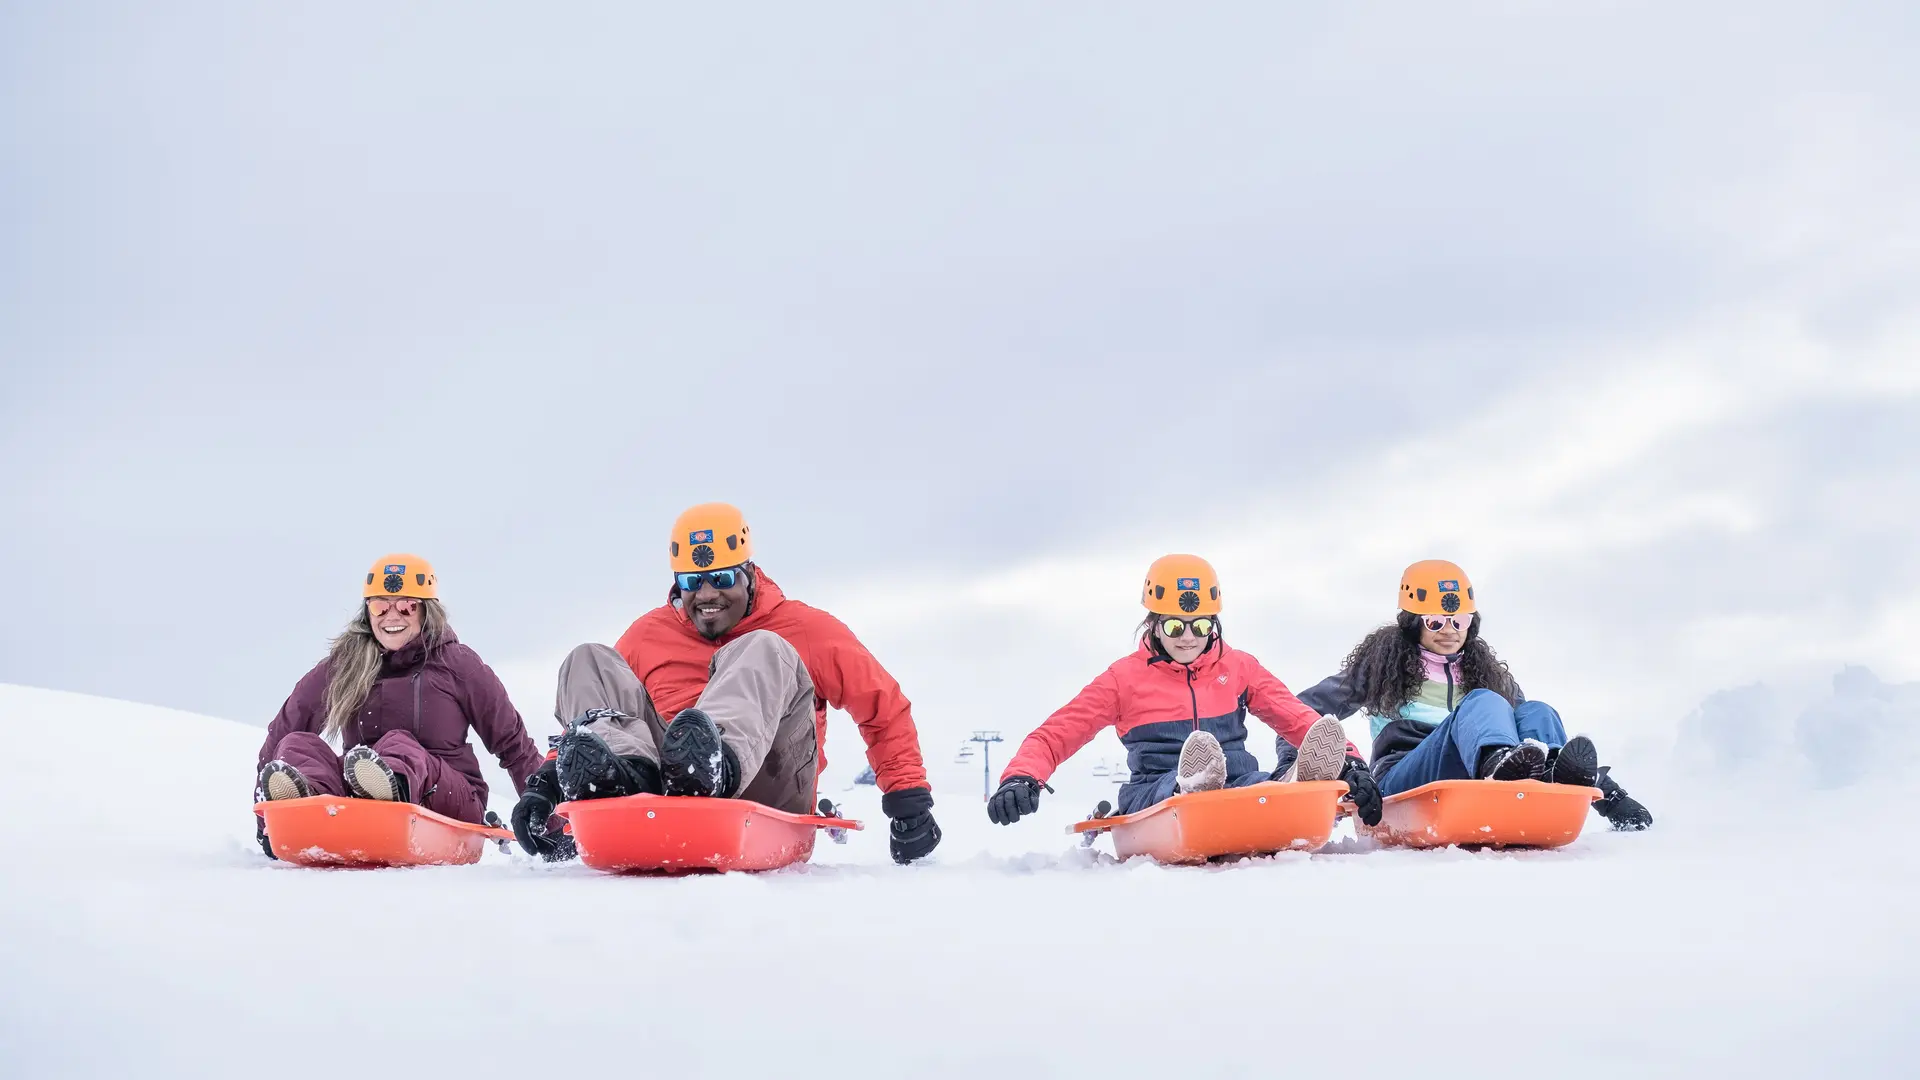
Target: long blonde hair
x=353, y=662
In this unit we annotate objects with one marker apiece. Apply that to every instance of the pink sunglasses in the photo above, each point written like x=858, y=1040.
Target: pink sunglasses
x=1437, y=623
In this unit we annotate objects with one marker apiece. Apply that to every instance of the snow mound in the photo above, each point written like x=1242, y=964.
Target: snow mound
x=142, y=934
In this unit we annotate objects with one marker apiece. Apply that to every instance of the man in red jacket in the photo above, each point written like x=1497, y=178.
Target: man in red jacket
x=723, y=691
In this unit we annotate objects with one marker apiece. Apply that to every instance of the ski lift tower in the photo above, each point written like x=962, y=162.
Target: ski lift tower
x=985, y=739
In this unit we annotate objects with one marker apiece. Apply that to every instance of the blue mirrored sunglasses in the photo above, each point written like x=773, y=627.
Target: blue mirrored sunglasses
x=722, y=579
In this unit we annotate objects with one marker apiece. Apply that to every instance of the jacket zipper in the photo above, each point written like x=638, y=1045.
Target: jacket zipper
x=1194, y=698
x=416, y=706
x=1448, y=664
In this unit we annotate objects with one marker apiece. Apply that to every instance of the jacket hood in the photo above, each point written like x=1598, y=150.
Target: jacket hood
x=1205, y=662
x=414, y=653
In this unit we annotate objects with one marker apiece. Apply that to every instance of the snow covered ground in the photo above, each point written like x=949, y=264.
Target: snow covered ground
x=142, y=934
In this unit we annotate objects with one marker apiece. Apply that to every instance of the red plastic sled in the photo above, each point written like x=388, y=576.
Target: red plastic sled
x=657, y=834
x=1485, y=813
x=325, y=830
x=1202, y=825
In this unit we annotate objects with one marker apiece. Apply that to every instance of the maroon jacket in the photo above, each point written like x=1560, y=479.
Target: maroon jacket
x=437, y=696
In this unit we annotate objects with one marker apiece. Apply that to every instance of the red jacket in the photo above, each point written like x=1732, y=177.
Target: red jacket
x=673, y=660
x=1154, y=703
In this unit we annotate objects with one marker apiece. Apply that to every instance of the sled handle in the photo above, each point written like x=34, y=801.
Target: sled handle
x=828, y=822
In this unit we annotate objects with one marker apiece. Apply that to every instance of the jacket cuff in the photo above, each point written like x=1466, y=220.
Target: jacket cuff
x=907, y=802
x=545, y=782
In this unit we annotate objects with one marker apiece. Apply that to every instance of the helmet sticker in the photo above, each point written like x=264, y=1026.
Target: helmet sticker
x=396, y=568
x=701, y=536
x=1449, y=585
x=1189, y=583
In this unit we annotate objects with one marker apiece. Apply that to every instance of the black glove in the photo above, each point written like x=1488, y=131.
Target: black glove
x=531, y=813
x=1018, y=796
x=1621, y=810
x=1362, y=790
x=914, y=833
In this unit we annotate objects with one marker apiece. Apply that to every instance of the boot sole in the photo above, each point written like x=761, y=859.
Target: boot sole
x=370, y=778
x=1525, y=760
x=1323, y=752
x=1585, y=768
x=690, y=756
x=1201, y=777
x=283, y=781
x=587, y=767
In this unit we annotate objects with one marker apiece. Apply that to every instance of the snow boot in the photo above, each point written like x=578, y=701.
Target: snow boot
x=369, y=777
x=1323, y=753
x=695, y=761
x=279, y=780
x=1622, y=810
x=589, y=769
x=1521, y=762
x=1203, y=765
x=1577, y=763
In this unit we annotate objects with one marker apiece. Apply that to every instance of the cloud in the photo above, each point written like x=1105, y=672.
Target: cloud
x=976, y=312
x=1834, y=738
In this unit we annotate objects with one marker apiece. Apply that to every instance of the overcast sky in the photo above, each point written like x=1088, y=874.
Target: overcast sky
x=975, y=312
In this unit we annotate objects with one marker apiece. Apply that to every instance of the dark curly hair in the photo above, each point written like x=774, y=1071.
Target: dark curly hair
x=1152, y=640
x=1385, y=667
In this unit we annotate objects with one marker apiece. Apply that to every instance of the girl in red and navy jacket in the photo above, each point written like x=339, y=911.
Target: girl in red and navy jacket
x=1180, y=704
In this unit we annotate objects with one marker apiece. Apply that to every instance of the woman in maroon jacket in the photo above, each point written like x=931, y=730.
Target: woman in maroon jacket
x=399, y=689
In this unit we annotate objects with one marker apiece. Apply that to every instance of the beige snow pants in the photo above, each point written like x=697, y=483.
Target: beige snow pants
x=758, y=693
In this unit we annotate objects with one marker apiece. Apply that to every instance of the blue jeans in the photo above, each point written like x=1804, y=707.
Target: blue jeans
x=1452, y=750
x=1135, y=797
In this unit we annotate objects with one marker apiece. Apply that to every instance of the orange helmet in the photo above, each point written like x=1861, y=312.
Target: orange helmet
x=1182, y=585
x=709, y=536
x=1436, y=587
x=401, y=575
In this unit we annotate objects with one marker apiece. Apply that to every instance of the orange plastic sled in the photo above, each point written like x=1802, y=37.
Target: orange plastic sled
x=325, y=830
x=654, y=833
x=1485, y=813
x=1202, y=825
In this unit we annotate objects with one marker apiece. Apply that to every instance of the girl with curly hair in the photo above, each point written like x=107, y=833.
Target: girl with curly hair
x=1443, y=706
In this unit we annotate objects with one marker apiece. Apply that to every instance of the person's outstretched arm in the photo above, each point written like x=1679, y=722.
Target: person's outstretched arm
x=491, y=714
